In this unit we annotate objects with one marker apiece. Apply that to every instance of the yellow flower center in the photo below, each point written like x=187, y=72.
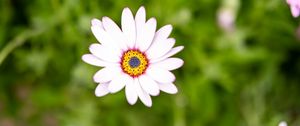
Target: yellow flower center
x=134, y=63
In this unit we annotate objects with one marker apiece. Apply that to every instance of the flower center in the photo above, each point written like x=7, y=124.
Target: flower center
x=134, y=63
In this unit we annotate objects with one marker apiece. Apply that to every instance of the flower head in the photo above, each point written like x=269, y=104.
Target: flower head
x=135, y=56
x=295, y=7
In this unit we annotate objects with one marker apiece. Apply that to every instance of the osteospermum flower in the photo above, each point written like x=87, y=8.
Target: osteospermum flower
x=295, y=7
x=136, y=57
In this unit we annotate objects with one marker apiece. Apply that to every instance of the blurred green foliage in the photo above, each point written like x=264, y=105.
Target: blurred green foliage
x=246, y=77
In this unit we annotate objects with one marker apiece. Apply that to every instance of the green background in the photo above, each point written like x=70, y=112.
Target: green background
x=246, y=77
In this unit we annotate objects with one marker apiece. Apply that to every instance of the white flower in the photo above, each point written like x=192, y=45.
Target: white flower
x=282, y=123
x=136, y=57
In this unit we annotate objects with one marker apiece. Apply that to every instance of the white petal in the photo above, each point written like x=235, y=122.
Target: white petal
x=117, y=83
x=106, y=74
x=149, y=85
x=145, y=34
x=140, y=15
x=101, y=35
x=169, y=54
x=115, y=32
x=93, y=60
x=96, y=22
x=159, y=49
x=101, y=90
x=130, y=92
x=128, y=27
x=168, y=88
x=105, y=38
x=160, y=75
x=140, y=21
x=163, y=33
x=145, y=97
x=169, y=63
x=105, y=53
x=110, y=25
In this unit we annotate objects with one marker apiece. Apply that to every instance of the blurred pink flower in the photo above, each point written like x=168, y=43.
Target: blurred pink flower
x=227, y=14
x=226, y=19
x=295, y=7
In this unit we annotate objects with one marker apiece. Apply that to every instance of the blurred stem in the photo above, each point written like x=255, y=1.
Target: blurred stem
x=179, y=116
x=26, y=34
x=16, y=42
